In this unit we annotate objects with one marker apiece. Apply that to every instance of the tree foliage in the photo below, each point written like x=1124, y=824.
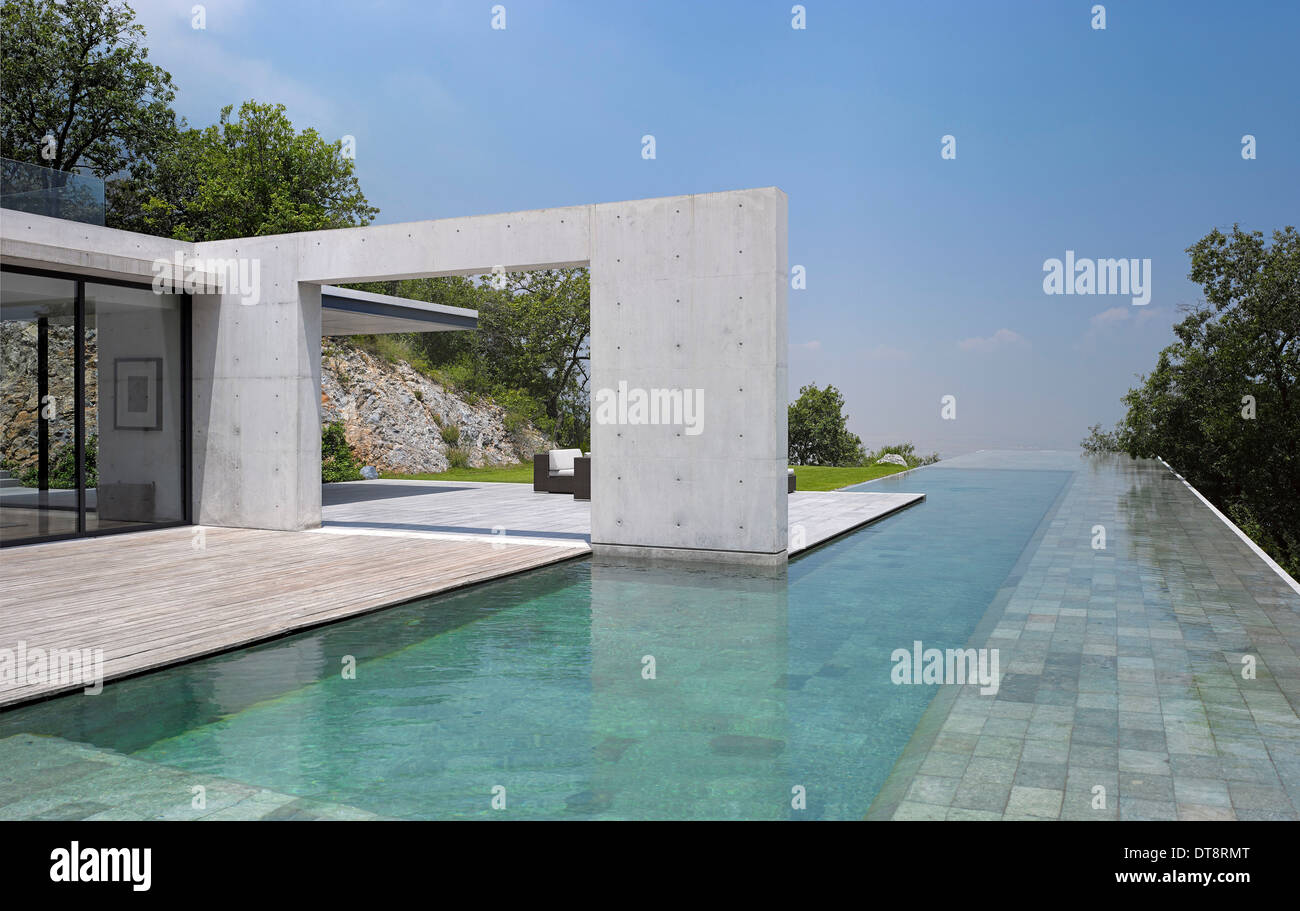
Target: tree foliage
x=244, y=177
x=818, y=429
x=534, y=336
x=531, y=352
x=1222, y=405
x=78, y=70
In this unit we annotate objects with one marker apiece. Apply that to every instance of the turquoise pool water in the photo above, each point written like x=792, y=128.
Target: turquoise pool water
x=538, y=684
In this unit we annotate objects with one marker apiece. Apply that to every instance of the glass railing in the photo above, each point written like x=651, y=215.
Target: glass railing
x=44, y=191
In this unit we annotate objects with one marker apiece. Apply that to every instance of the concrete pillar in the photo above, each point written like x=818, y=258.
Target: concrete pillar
x=689, y=293
x=257, y=394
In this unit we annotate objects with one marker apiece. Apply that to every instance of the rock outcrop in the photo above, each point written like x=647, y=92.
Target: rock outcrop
x=399, y=420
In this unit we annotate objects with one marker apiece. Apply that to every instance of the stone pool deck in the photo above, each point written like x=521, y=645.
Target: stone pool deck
x=1122, y=669
x=53, y=779
x=462, y=510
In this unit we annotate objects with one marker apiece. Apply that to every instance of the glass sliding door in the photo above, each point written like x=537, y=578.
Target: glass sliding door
x=38, y=416
x=135, y=408
x=94, y=418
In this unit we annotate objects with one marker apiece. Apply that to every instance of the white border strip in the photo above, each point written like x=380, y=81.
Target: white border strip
x=1286, y=577
x=494, y=540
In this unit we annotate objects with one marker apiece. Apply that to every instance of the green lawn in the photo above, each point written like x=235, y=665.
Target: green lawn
x=810, y=477
x=509, y=474
x=821, y=477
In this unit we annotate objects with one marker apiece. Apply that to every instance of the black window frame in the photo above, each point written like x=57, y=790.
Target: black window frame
x=79, y=395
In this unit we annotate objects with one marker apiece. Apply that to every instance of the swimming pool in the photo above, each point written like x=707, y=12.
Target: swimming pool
x=595, y=689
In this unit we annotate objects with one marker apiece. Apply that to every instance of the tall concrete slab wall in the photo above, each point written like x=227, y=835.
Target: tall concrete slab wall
x=689, y=293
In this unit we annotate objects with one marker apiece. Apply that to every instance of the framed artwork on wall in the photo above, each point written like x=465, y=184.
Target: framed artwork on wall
x=138, y=393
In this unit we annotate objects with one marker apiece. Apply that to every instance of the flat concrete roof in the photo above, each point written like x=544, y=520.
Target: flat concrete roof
x=348, y=312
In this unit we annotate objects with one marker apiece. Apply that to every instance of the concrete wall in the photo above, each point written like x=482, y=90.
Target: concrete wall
x=690, y=293
x=256, y=396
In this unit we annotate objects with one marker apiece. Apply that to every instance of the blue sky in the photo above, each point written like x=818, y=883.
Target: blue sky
x=924, y=274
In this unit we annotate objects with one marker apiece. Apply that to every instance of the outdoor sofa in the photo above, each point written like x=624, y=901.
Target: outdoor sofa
x=553, y=471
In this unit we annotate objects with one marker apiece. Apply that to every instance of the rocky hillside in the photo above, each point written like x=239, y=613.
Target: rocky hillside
x=399, y=420
x=19, y=404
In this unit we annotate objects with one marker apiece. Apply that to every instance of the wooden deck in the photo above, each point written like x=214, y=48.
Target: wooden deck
x=155, y=598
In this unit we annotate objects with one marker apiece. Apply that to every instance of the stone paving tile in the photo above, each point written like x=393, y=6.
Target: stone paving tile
x=1122, y=670
x=1147, y=787
x=1205, y=813
x=911, y=810
x=998, y=747
x=1204, y=792
x=945, y=764
x=1041, y=775
x=50, y=778
x=932, y=790
x=963, y=814
x=1042, y=802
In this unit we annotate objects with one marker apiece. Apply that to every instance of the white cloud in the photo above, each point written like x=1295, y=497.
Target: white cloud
x=809, y=346
x=1003, y=338
x=1110, y=317
x=1115, y=316
x=887, y=354
x=1123, y=319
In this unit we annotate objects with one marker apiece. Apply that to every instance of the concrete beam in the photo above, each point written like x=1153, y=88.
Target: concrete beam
x=59, y=245
x=349, y=312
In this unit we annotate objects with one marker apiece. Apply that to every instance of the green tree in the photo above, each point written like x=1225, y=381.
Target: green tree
x=250, y=176
x=1222, y=405
x=1100, y=441
x=818, y=429
x=531, y=353
x=79, y=71
x=534, y=336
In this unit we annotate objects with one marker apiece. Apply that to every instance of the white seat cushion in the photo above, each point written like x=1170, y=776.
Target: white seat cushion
x=562, y=473
x=789, y=471
x=562, y=460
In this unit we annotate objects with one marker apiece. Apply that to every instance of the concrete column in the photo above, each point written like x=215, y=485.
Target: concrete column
x=689, y=293
x=257, y=394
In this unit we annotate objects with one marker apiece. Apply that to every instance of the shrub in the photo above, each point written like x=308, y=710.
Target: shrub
x=457, y=457
x=63, y=467
x=337, y=460
x=450, y=434
x=906, y=450
x=1099, y=441
x=521, y=411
